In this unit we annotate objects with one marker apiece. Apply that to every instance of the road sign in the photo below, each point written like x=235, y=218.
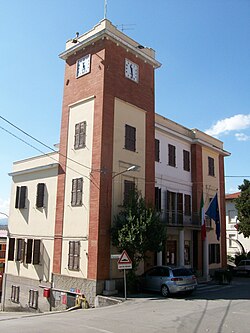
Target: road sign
x=115, y=256
x=124, y=261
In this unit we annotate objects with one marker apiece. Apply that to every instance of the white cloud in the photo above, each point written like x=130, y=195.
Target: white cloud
x=242, y=137
x=4, y=208
x=237, y=122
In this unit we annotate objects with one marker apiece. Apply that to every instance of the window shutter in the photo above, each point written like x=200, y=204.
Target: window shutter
x=180, y=208
x=186, y=160
x=130, y=137
x=36, y=252
x=76, y=255
x=129, y=189
x=82, y=135
x=77, y=136
x=168, y=206
x=71, y=255
x=40, y=195
x=171, y=155
x=17, y=197
x=29, y=251
x=187, y=200
x=157, y=150
x=11, y=249
x=22, y=197
x=158, y=198
x=79, y=191
x=73, y=192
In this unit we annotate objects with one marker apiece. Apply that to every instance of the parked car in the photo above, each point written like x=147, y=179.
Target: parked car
x=243, y=267
x=168, y=280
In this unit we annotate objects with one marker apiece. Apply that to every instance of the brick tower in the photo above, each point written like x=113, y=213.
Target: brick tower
x=107, y=126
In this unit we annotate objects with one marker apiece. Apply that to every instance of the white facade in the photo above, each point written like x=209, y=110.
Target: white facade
x=31, y=222
x=236, y=242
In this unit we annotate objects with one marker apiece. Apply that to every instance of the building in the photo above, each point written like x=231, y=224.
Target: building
x=3, y=242
x=236, y=242
x=62, y=204
x=189, y=164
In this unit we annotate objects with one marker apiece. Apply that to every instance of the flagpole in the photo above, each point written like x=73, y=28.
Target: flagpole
x=105, y=9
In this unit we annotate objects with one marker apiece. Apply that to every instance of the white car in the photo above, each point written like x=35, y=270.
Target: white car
x=243, y=267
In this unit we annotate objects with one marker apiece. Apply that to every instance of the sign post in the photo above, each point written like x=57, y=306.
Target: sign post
x=124, y=263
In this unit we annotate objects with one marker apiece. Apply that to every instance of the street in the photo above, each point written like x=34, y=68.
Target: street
x=213, y=308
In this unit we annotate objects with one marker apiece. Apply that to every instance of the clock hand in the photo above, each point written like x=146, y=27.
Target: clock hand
x=131, y=70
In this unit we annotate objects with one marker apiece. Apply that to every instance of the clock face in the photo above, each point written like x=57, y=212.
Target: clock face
x=83, y=66
x=131, y=70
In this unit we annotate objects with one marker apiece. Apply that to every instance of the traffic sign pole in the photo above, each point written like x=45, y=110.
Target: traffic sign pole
x=125, y=285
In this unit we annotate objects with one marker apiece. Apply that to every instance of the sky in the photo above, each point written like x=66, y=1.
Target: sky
x=203, y=83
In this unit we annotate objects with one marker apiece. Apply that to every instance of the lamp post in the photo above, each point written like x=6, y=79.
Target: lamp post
x=110, y=284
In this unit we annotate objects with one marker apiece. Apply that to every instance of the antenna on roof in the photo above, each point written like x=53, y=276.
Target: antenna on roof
x=123, y=27
x=105, y=9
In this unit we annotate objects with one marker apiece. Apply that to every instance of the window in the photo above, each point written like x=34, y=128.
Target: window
x=187, y=259
x=157, y=150
x=33, y=251
x=232, y=216
x=29, y=251
x=187, y=205
x=171, y=155
x=74, y=255
x=171, y=207
x=158, y=199
x=231, y=240
x=40, y=195
x=214, y=253
x=76, y=193
x=15, y=291
x=129, y=189
x=130, y=138
x=186, y=160
x=179, y=208
x=36, y=252
x=11, y=249
x=20, y=249
x=20, y=196
x=33, y=298
x=210, y=166
x=80, y=135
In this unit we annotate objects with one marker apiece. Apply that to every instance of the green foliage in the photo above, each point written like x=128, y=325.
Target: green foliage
x=242, y=204
x=239, y=257
x=138, y=229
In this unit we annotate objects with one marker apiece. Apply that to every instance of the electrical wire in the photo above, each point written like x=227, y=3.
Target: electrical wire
x=42, y=143
x=46, y=154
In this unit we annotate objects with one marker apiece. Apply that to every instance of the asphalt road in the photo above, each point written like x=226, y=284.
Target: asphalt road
x=213, y=308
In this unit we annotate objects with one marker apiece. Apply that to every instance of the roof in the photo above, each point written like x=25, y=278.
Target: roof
x=232, y=196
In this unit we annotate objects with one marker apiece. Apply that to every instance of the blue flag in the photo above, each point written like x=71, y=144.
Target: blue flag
x=214, y=214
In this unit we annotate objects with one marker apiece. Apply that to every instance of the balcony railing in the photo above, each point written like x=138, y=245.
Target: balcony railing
x=176, y=218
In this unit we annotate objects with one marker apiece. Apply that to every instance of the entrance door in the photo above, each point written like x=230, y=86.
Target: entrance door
x=171, y=253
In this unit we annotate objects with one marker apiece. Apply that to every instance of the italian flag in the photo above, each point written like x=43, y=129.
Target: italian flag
x=203, y=222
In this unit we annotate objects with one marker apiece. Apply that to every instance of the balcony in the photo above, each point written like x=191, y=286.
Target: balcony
x=176, y=218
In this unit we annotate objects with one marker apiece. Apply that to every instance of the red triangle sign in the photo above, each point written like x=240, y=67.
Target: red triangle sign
x=124, y=258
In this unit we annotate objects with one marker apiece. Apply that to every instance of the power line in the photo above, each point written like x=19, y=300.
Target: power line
x=43, y=144
x=45, y=154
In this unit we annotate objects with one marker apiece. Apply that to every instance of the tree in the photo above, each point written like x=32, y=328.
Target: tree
x=242, y=204
x=138, y=229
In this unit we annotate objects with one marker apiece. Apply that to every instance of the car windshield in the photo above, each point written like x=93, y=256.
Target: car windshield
x=182, y=272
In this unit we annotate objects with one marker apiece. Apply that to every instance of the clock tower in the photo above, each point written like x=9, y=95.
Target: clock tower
x=107, y=132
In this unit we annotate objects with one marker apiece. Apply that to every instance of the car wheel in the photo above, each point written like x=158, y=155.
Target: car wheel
x=165, y=291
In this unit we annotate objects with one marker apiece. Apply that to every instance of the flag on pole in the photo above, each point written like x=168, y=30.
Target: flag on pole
x=214, y=214
x=203, y=221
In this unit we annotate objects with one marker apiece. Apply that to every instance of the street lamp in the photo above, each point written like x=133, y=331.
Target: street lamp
x=110, y=284
x=131, y=168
